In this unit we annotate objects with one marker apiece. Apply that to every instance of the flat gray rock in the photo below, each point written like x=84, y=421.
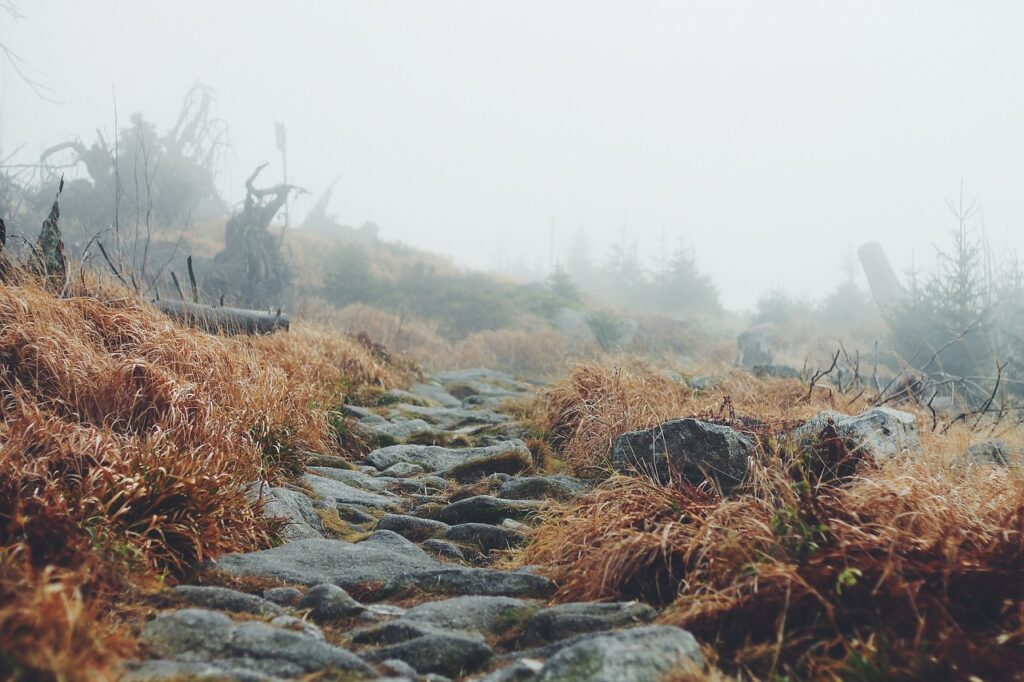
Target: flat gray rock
x=568, y=620
x=993, y=451
x=636, y=655
x=348, y=565
x=338, y=492
x=486, y=615
x=447, y=654
x=697, y=450
x=434, y=457
x=176, y=671
x=224, y=599
x=198, y=635
x=557, y=487
x=450, y=418
x=470, y=581
x=436, y=393
x=400, y=630
x=356, y=479
x=413, y=527
x=401, y=429
x=402, y=470
x=487, y=509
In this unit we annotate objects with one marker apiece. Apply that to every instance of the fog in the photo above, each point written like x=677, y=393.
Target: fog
x=771, y=137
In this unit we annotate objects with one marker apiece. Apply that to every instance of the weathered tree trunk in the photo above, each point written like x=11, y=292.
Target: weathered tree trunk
x=886, y=289
x=223, y=320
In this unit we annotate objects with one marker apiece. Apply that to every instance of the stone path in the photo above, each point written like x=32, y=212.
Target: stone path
x=385, y=572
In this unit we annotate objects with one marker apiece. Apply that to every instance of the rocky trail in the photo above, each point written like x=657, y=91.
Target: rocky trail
x=387, y=570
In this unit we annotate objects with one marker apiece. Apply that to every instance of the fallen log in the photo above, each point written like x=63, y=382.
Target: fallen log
x=218, y=319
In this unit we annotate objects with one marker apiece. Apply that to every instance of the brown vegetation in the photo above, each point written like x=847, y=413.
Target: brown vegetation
x=126, y=443
x=907, y=570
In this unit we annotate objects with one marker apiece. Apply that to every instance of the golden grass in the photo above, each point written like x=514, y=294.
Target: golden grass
x=597, y=401
x=125, y=446
x=907, y=570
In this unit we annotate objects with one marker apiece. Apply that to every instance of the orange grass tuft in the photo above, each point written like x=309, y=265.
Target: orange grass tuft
x=126, y=443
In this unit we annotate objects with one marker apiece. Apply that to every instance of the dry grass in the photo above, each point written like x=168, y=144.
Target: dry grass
x=125, y=446
x=908, y=570
x=597, y=401
x=534, y=354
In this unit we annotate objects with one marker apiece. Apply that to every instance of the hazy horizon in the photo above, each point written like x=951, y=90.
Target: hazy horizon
x=772, y=138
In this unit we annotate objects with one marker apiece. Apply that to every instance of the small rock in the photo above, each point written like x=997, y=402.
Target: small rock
x=338, y=492
x=399, y=668
x=487, y=509
x=329, y=602
x=435, y=393
x=297, y=625
x=353, y=513
x=412, y=527
x=485, y=536
x=636, y=655
x=402, y=470
x=698, y=450
x=445, y=550
x=443, y=653
x=294, y=508
x=224, y=599
x=283, y=596
x=400, y=630
x=352, y=477
x=422, y=485
x=522, y=670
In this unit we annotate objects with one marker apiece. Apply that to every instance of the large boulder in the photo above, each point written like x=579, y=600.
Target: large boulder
x=698, y=451
x=754, y=347
x=878, y=434
x=636, y=655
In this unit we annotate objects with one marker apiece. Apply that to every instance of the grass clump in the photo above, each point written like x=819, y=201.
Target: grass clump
x=126, y=445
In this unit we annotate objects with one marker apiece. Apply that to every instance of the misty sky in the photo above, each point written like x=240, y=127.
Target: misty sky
x=771, y=136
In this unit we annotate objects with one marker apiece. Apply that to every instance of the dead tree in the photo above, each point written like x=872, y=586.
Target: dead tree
x=251, y=270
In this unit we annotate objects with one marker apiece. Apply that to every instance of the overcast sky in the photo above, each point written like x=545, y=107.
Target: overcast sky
x=771, y=136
